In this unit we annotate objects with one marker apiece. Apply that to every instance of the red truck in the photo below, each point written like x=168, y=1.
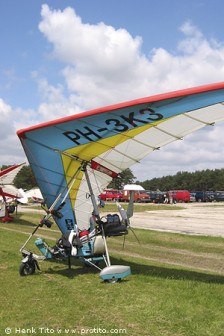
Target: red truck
x=110, y=195
x=181, y=196
x=140, y=196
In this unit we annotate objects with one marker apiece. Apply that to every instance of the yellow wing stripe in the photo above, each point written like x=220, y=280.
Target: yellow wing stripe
x=92, y=150
x=89, y=151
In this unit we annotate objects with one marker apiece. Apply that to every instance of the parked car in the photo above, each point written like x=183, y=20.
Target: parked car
x=156, y=196
x=204, y=196
x=219, y=196
x=192, y=197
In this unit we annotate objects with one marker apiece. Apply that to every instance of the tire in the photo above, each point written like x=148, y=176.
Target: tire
x=27, y=269
x=113, y=280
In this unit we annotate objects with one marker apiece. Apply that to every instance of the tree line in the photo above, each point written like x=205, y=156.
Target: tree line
x=204, y=180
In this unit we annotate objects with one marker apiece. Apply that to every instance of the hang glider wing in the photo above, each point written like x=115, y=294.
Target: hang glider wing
x=6, y=181
x=5, y=194
x=109, y=140
x=10, y=191
x=7, y=175
x=34, y=194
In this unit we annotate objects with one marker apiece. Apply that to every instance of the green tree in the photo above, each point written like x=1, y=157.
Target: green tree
x=4, y=167
x=125, y=177
x=25, y=179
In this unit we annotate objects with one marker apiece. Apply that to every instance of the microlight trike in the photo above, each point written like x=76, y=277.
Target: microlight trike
x=74, y=158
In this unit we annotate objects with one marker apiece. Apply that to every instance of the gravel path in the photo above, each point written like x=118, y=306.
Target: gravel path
x=196, y=218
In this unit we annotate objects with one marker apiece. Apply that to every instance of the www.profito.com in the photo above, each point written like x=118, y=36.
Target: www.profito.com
x=64, y=331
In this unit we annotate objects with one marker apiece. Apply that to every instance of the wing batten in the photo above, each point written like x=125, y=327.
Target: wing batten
x=199, y=120
x=177, y=137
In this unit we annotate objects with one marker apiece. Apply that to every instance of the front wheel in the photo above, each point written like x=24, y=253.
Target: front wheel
x=27, y=269
x=113, y=280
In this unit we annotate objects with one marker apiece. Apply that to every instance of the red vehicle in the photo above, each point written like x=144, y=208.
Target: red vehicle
x=179, y=196
x=110, y=195
x=140, y=196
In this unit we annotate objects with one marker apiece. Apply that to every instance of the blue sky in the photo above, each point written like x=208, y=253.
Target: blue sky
x=106, y=52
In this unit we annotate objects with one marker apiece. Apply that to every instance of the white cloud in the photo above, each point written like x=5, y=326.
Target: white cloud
x=54, y=103
x=105, y=66
x=10, y=152
x=88, y=47
x=6, y=120
x=102, y=65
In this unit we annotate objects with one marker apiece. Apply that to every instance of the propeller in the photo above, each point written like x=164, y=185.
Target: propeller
x=126, y=214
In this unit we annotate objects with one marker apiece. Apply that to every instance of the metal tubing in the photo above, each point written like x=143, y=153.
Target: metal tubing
x=95, y=207
x=96, y=211
x=31, y=235
x=106, y=248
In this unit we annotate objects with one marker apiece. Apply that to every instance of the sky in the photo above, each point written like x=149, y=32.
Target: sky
x=61, y=57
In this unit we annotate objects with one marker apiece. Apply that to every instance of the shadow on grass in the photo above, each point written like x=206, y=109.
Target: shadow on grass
x=77, y=268
x=20, y=220
x=175, y=273
x=136, y=269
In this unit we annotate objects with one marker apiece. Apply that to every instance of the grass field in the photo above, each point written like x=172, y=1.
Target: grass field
x=176, y=287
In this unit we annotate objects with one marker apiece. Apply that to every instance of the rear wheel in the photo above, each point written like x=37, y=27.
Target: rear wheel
x=27, y=269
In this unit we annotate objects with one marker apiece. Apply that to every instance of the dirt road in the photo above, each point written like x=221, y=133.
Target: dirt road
x=195, y=218
x=205, y=219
